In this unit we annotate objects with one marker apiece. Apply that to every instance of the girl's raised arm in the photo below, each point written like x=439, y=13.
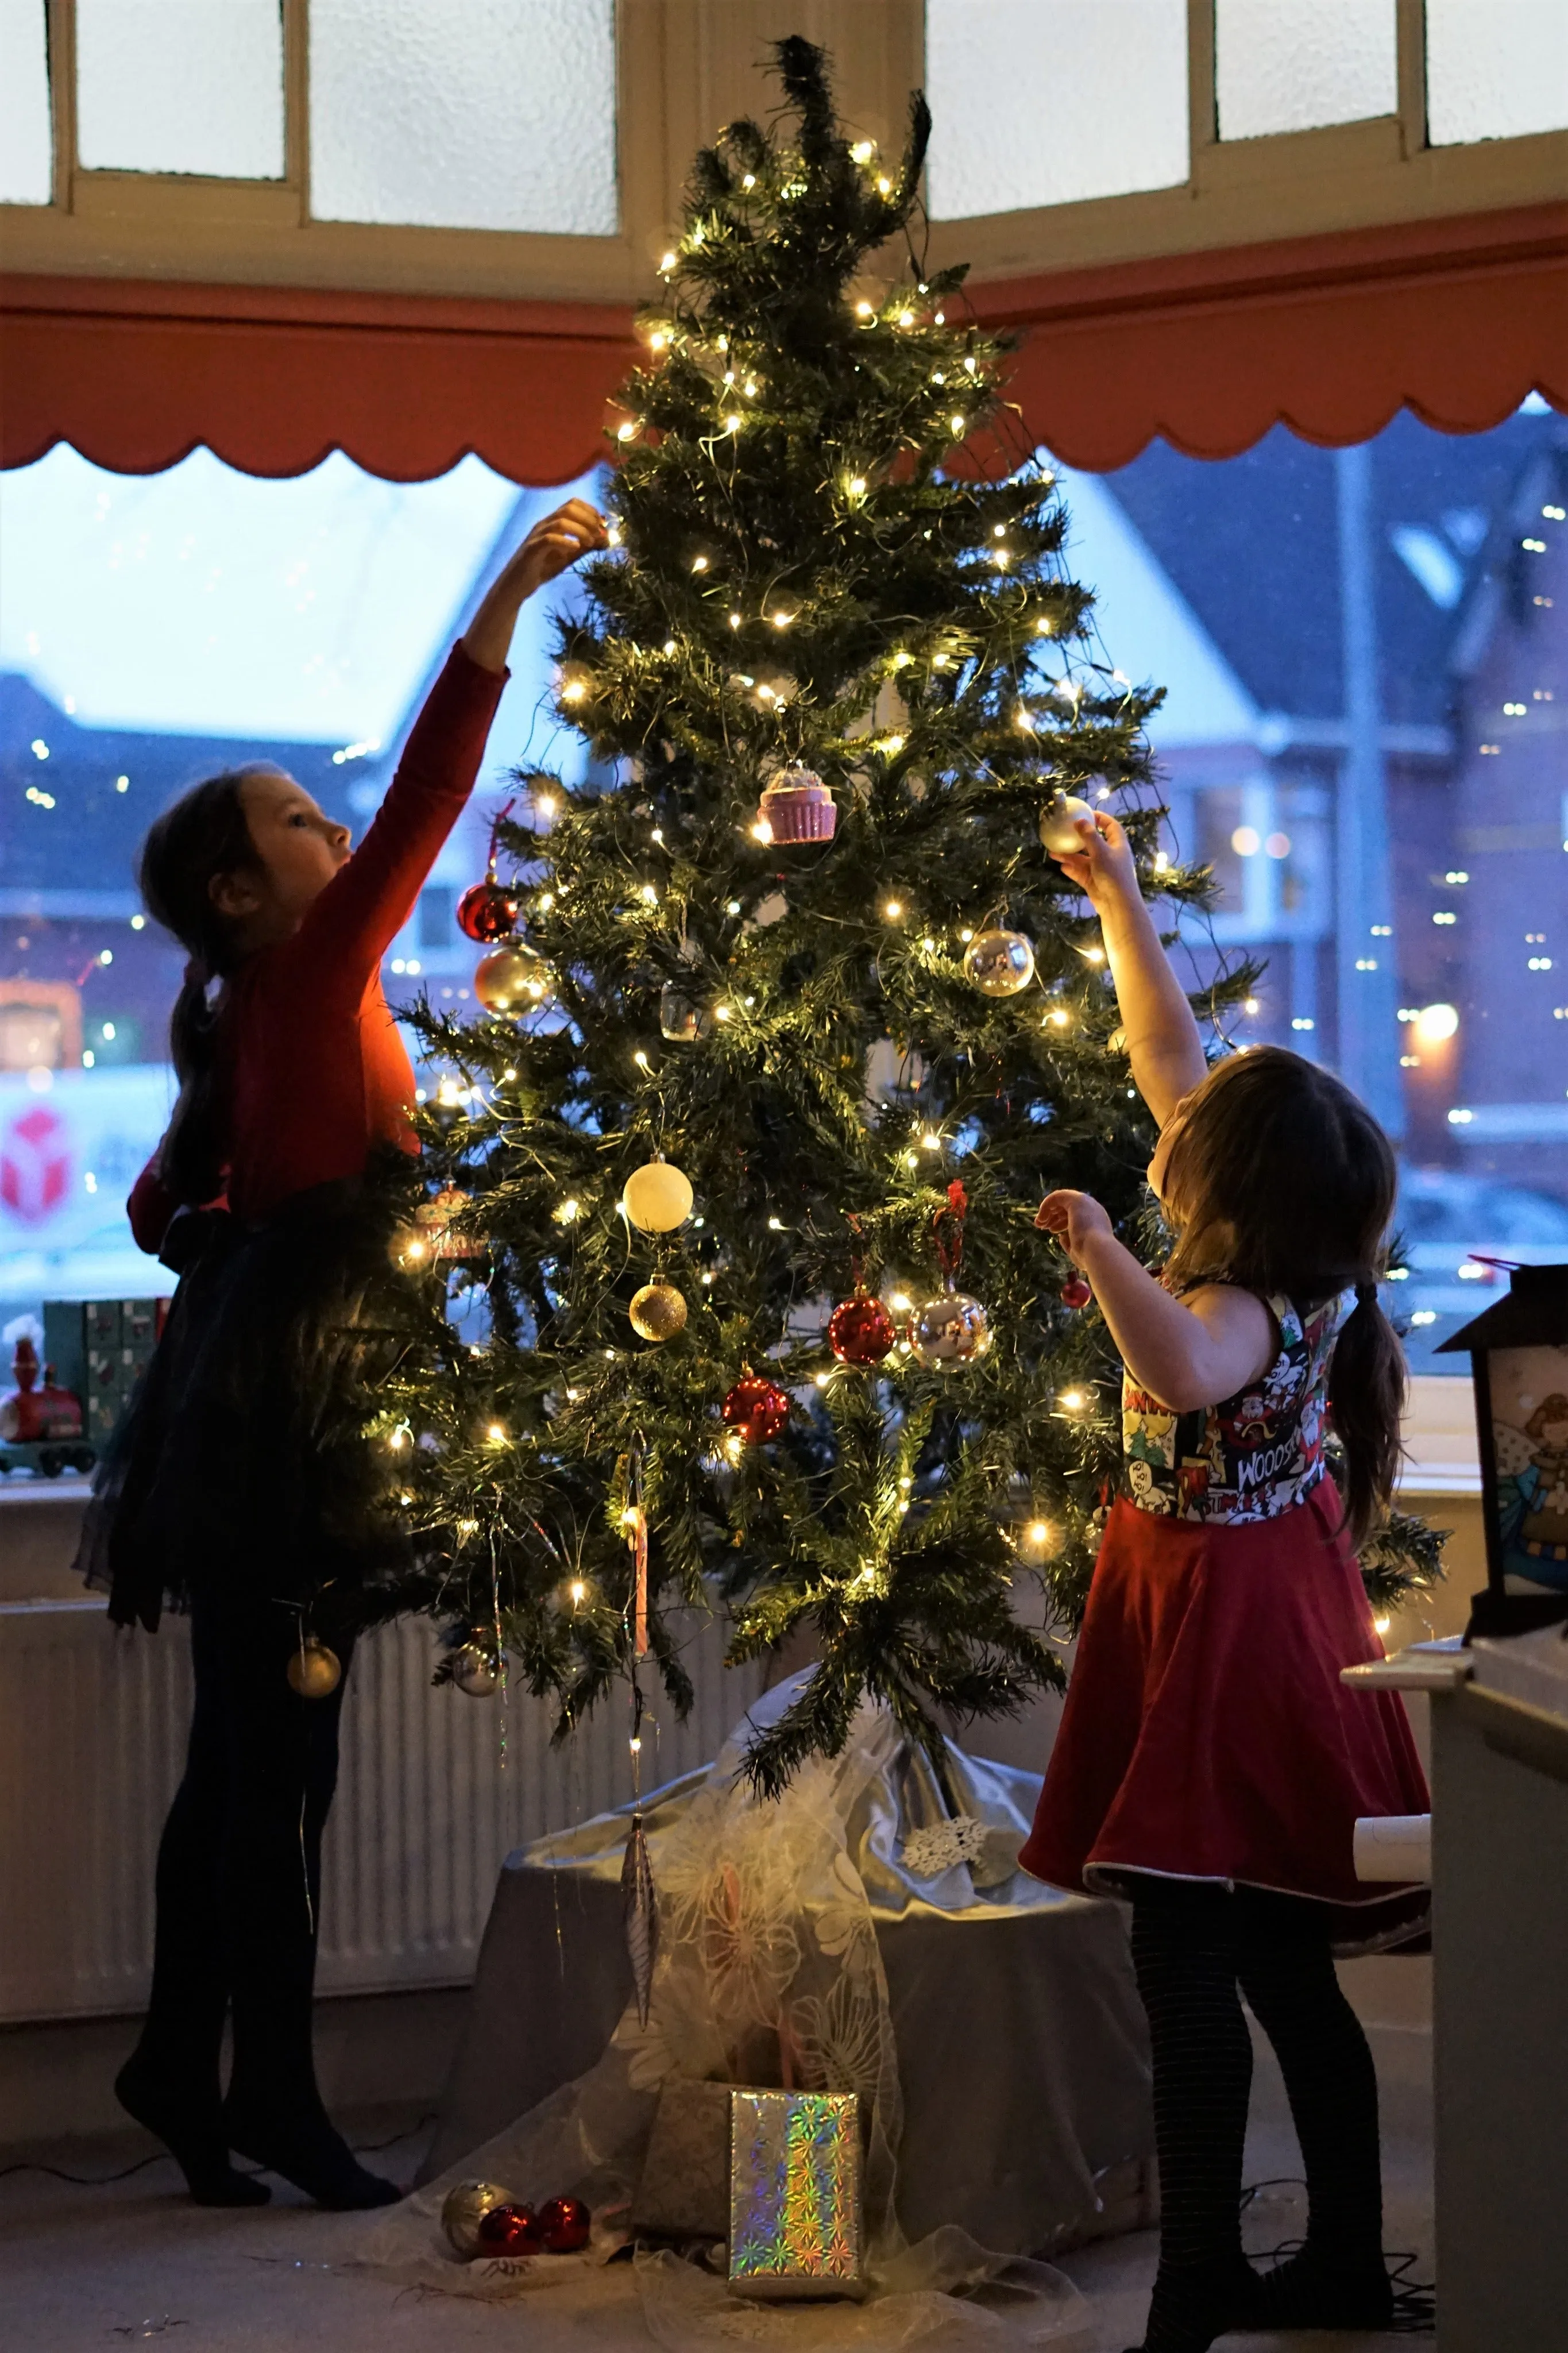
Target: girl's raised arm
x=1163, y=1042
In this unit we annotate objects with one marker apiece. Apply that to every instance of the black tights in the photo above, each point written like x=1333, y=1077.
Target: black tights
x=239, y=1871
x=1197, y=1949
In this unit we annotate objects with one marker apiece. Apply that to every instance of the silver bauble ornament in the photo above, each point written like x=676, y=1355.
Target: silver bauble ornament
x=999, y=963
x=658, y=1312
x=657, y=1198
x=1058, y=824
x=314, y=1671
x=464, y=2209
x=683, y=1017
x=514, y=979
x=475, y=1671
x=948, y=1332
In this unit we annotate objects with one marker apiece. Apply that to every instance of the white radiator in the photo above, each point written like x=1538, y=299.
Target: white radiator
x=435, y=1791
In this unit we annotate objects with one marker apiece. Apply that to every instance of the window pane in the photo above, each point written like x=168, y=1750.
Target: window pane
x=26, y=138
x=1495, y=68
x=1365, y=653
x=157, y=629
x=1049, y=101
x=181, y=86
x=1293, y=65
x=498, y=114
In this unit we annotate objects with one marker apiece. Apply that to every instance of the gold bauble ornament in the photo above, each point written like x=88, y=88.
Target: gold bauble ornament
x=657, y=1198
x=948, y=1331
x=658, y=1312
x=513, y=979
x=464, y=2209
x=999, y=963
x=1058, y=824
x=314, y=1672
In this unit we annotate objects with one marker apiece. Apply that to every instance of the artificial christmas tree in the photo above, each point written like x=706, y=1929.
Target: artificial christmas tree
x=753, y=1063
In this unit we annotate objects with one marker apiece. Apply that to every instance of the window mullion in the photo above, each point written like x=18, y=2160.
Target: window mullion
x=61, y=20
x=1203, y=113
x=297, y=101
x=1410, y=19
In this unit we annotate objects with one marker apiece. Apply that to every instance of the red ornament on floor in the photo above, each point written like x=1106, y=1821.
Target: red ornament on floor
x=758, y=1408
x=860, y=1330
x=511, y=2230
x=488, y=912
x=566, y=2224
x=1076, y=1292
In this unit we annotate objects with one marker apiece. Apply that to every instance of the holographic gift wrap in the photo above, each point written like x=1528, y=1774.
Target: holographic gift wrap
x=795, y=2194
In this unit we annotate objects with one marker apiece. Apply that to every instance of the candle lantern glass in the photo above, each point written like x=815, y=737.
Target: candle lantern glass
x=1518, y=1360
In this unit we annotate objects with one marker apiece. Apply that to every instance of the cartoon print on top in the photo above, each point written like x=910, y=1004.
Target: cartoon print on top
x=1256, y=1454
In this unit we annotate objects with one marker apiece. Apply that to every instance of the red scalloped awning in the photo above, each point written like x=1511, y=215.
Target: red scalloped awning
x=1456, y=320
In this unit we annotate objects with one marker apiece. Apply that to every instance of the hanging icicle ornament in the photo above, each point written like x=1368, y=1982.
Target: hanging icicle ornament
x=1059, y=822
x=755, y=1406
x=513, y=979
x=954, y=1329
x=639, y=1901
x=314, y=1671
x=797, y=807
x=488, y=911
x=657, y=1198
x=999, y=963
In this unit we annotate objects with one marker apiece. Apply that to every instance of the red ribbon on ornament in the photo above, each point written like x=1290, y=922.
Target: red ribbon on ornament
x=947, y=1227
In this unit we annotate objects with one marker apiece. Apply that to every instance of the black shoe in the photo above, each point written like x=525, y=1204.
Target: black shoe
x=1193, y=2305
x=192, y=2132
x=1312, y=2290
x=307, y=2151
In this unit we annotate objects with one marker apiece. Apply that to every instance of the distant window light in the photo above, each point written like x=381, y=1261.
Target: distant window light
x=1297, y=65
x=164, y=87
x=26, y=134
x=1495, y=69
x=1435, y=565
x=1093, y=102
x=497, y=115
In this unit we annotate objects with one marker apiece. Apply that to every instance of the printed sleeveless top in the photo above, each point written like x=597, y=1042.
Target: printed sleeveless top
x=1257, y=1454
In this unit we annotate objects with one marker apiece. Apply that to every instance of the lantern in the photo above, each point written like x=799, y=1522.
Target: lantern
x=1518, y=1361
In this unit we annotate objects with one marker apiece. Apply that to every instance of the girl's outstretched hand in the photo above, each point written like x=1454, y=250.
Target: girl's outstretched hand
x=574, y=530
x=1104, y=868
x=1073, y=1218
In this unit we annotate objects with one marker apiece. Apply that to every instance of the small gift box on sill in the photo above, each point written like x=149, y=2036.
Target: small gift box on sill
x=795, y=2194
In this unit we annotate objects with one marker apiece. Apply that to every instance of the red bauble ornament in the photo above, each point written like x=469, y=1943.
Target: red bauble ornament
x=511, y=2230
x=1076, y=1292
x=488, y=911
x=758, y=1408
x=566, y=2224
x=860, y=1330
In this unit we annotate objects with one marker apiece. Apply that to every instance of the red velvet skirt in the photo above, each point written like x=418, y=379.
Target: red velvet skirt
x=1206, y=1734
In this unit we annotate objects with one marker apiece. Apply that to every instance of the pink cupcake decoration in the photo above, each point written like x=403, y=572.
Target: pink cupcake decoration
x=798, y=807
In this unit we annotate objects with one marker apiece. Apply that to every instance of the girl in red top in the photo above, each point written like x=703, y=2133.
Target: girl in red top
x=1210, y=1765
x=240, y=1486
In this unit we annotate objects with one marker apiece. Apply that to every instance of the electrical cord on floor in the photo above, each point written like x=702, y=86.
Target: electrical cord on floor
x=161, y=2156
x=1415, y=2310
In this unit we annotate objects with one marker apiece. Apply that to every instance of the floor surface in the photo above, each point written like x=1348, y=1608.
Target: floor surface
x=132, y=2262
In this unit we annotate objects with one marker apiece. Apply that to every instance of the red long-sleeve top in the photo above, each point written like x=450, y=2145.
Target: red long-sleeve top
x=314, y=1068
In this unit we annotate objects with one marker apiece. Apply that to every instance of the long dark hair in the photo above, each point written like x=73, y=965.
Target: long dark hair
x=1281, y=1180
x=199, y=836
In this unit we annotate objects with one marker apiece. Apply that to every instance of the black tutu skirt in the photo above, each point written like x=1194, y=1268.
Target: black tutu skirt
x=243, y=1457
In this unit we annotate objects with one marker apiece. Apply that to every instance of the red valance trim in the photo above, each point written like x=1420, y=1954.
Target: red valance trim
x=1456, y=320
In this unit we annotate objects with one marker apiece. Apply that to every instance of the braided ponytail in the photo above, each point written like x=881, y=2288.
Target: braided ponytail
x=1366, y=1398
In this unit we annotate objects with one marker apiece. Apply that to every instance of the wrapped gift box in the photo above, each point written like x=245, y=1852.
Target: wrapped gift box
x=795, y=2194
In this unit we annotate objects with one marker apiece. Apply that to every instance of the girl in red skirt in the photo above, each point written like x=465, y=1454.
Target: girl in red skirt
x=1210, y=1765
x=240, y=1486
